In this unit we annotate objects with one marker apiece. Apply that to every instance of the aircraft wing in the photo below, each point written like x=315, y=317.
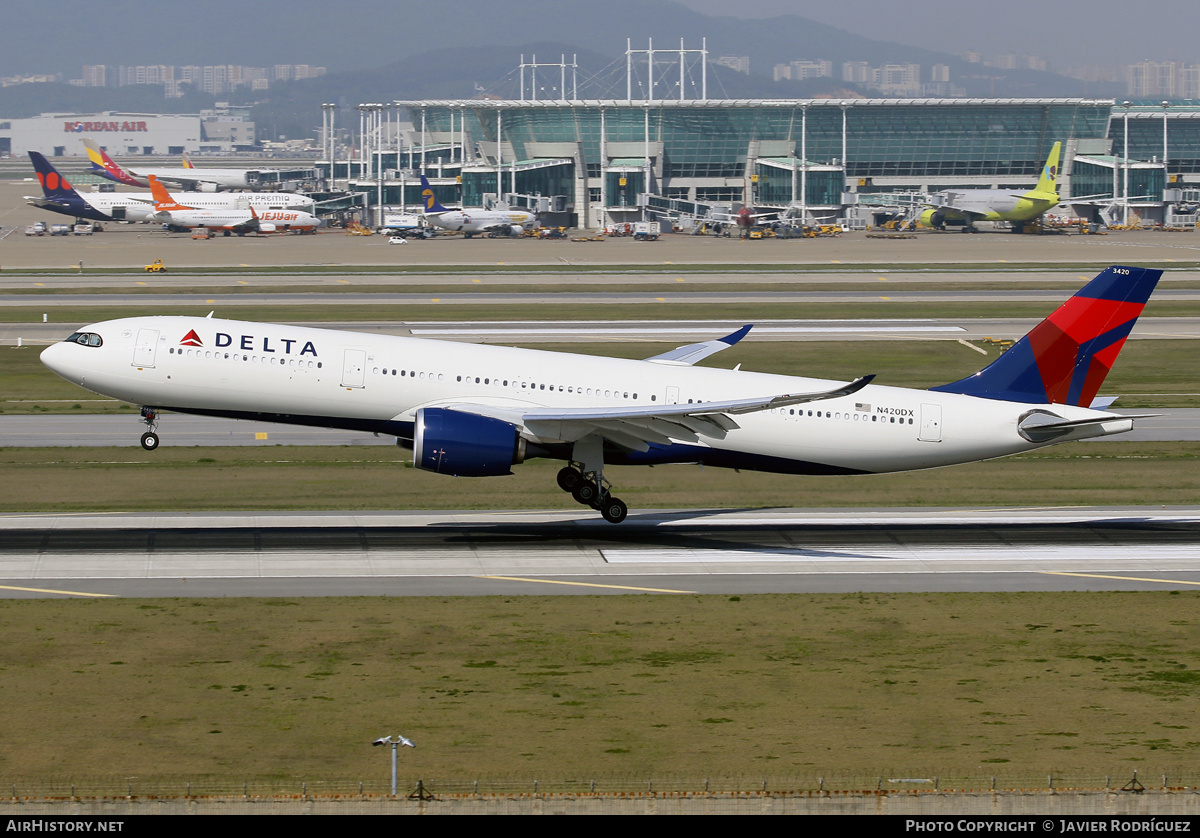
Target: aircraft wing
x=686, y=356
x=635, y=428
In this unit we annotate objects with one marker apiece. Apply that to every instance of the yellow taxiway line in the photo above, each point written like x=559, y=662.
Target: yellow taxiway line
x=587, y=585
x=50, y=591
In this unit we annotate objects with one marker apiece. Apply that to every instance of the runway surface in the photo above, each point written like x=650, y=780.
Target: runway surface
x=182, y=430
x=683, y=331
x=668, y=552
x=562, y=296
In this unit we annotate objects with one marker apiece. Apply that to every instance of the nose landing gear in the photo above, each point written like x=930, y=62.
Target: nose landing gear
x=150, y=438
x=591, y=489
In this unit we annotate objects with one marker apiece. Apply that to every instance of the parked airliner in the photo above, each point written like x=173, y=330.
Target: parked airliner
x=474, y=410
x=241, y=221
x=966, y=206
x=472, y=221
x=59, y=196
x=189, y=177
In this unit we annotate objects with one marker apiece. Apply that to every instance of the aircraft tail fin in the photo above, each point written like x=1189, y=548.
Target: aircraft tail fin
x=1065, y=358
x=1048, y=182
x=431, y=201
x=54, y=186
x=187, y=161
x=163, y=202
x=105, y=166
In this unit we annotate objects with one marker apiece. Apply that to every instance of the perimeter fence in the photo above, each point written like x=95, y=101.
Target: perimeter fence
x=79, y=788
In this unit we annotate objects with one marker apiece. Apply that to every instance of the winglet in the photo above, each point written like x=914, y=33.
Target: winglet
x=733, y=338
x=686, y=356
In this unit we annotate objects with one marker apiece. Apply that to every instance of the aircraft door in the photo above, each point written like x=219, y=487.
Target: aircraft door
x=931, y=423
x=672, y=395
x=354, y=368
x=143, y=350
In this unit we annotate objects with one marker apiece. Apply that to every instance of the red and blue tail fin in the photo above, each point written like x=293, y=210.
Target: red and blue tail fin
x=1065, y=358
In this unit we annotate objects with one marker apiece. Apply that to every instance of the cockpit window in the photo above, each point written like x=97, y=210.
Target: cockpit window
x=86, y=339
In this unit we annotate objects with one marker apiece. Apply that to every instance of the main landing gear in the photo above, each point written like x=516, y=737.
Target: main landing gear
x=591, y=489
x=150, y=438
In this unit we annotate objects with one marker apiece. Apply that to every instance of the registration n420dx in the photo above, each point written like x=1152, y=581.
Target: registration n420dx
x=476, y=411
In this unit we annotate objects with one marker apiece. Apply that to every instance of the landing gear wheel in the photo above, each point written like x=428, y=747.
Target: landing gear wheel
x=150, y=441
x=568, y=479
x=614, y=510
x=586, y=492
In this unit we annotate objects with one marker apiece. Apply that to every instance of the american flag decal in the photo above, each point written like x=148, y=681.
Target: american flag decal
x=862, y=407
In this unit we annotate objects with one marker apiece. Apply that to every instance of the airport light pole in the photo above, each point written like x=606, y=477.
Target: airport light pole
x=395, y=742
x=1165, y=106
x=803, y=165
x=1125, y=154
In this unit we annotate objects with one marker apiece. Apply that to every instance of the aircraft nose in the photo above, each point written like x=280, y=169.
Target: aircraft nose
x=58, y=357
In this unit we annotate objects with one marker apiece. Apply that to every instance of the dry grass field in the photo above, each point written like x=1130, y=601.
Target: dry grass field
x=799, y=686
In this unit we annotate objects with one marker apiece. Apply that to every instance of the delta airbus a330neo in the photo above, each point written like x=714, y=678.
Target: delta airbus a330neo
x=474, y=411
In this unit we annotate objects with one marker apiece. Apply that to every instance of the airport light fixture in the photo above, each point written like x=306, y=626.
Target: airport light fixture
x=1165, y=106
x=395, y=742
x=1125, y=154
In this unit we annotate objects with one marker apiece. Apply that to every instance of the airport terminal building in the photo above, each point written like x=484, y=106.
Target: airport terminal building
x=598, y=161
x=126, y=134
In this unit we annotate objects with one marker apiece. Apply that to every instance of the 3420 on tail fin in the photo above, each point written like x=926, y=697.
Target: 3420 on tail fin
x=1066, y=357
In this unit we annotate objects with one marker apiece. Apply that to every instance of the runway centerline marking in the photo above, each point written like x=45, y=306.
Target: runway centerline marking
x=586, y=584
x=1121, y=578
x=51, y=591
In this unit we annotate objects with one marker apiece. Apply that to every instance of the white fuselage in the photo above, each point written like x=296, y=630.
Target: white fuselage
x=139, y=206
x=220, y=178
x=479, y=221
x=378, y=382
x=267, y=221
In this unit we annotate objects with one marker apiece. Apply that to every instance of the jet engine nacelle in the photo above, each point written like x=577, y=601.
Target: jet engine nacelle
x=205, y=187
x=266, y=227
x=938, y=219
x=465, y=445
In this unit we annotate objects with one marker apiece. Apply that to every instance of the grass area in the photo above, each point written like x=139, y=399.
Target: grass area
x=893, y=685
x=1149, y=374
x=62, y=480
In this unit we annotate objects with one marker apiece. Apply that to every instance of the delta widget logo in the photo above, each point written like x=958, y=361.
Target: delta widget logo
x=191, y=339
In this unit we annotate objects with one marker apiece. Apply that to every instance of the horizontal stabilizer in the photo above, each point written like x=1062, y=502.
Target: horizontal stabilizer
x=1040, y=426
